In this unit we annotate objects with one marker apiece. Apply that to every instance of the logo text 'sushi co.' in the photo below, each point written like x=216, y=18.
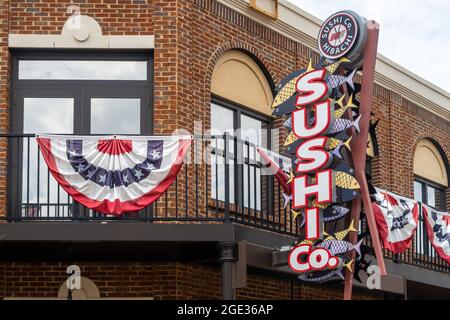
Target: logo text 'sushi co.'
x=314, y=93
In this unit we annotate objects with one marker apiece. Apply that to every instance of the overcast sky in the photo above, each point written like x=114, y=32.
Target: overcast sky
x=414, y=33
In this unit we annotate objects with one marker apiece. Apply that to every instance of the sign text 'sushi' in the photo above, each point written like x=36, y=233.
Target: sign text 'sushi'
x=314, y=93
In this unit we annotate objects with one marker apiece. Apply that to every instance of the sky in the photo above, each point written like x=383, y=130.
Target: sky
x=414, y=33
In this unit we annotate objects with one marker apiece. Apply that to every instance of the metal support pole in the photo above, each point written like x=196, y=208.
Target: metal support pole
x=358, y=146
x=227, y=175
x=227, y=257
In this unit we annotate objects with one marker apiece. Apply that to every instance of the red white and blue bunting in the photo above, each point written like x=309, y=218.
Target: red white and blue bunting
x=397, y=219
x=114, y=174
x=438, y=229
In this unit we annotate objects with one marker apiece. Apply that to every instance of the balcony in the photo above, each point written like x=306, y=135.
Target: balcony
x=205, y=192
x=202, y=192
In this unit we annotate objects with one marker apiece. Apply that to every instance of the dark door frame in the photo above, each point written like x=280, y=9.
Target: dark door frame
x=81, y=90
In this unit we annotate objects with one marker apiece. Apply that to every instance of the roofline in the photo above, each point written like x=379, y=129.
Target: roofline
x=303, y=27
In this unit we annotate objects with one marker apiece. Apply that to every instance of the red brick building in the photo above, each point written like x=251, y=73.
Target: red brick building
x=196, y=65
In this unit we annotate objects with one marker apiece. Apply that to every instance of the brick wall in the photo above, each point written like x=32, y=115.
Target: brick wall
x=156, y=280
x=117, y=17
x=190, y=36
x=4, y=97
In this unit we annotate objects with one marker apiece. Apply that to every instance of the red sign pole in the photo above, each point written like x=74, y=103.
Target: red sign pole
x=359, y=146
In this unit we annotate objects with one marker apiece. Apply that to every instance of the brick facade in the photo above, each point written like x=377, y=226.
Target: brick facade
x=190, y=36
x=155, y=280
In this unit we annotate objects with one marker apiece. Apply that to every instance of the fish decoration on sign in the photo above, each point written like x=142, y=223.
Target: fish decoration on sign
x=333, y=213
x=346, y=185
x=291, y=138
x=288, y=123
x=341, y=235
x=343, y=95
x=344, y=124
x=332, y=68
x=341, y=111
x=336, y=81
x=327, y=275
x=337, y=247
x=322, y=276
x=335, y=145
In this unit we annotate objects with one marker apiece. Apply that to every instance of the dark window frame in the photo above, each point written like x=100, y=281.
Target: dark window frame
x=428, y=183
x=81, y=90
x=425, y=183
x=239, y=110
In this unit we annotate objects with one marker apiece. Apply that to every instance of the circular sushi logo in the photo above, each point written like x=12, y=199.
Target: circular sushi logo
x=338, y=35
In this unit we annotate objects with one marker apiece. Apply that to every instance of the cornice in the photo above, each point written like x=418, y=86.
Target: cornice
x=300, y=26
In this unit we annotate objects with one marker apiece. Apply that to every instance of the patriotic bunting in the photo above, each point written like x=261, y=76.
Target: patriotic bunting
x=438, y=229
x=397, y=219
x=114, y=174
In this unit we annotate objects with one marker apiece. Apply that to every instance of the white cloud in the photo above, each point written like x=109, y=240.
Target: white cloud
x=414, y=33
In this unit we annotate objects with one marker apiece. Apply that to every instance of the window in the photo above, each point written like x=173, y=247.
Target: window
x=82, y=70
x=434, y=196
x=72, y=93
x=430, y=183
x=237, y=77
x=246, y=182
x=429, y=193
x=240, y=107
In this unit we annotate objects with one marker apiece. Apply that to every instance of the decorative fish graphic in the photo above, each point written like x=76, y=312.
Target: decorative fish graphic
x=356, y=89
x=284, y=101
x=340, y=112
x=286, y=107
x=341, y=234
x=344, y=124
x=295, y=214
x=334, y=66
x=340, y=101
x=336, y=145
x=287, y=88
x=343, y=264
x=288, y=123
x=336, y=81
x=292, y=148
x=291, y=138
x=319, y=205
x=327, y=275
x=291, y=177
x=337, y=247
x=321, y=276
x=346, y=184
x=288, y=78
x=346, y=181
x=287, y=199
x=310, y=242
x=343, y=136
x=334, y=213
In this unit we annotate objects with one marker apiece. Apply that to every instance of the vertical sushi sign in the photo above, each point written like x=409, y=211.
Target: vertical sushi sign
x=312, y=97
x=322, y=109
x=313, y=93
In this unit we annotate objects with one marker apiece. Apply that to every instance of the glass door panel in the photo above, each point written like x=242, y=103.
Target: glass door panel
x=115, y=116
x=41, y=195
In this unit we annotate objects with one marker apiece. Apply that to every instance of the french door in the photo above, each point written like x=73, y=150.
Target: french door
x=74, y=99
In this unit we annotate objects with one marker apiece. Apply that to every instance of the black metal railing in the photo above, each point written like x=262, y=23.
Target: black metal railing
x=222, y=180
